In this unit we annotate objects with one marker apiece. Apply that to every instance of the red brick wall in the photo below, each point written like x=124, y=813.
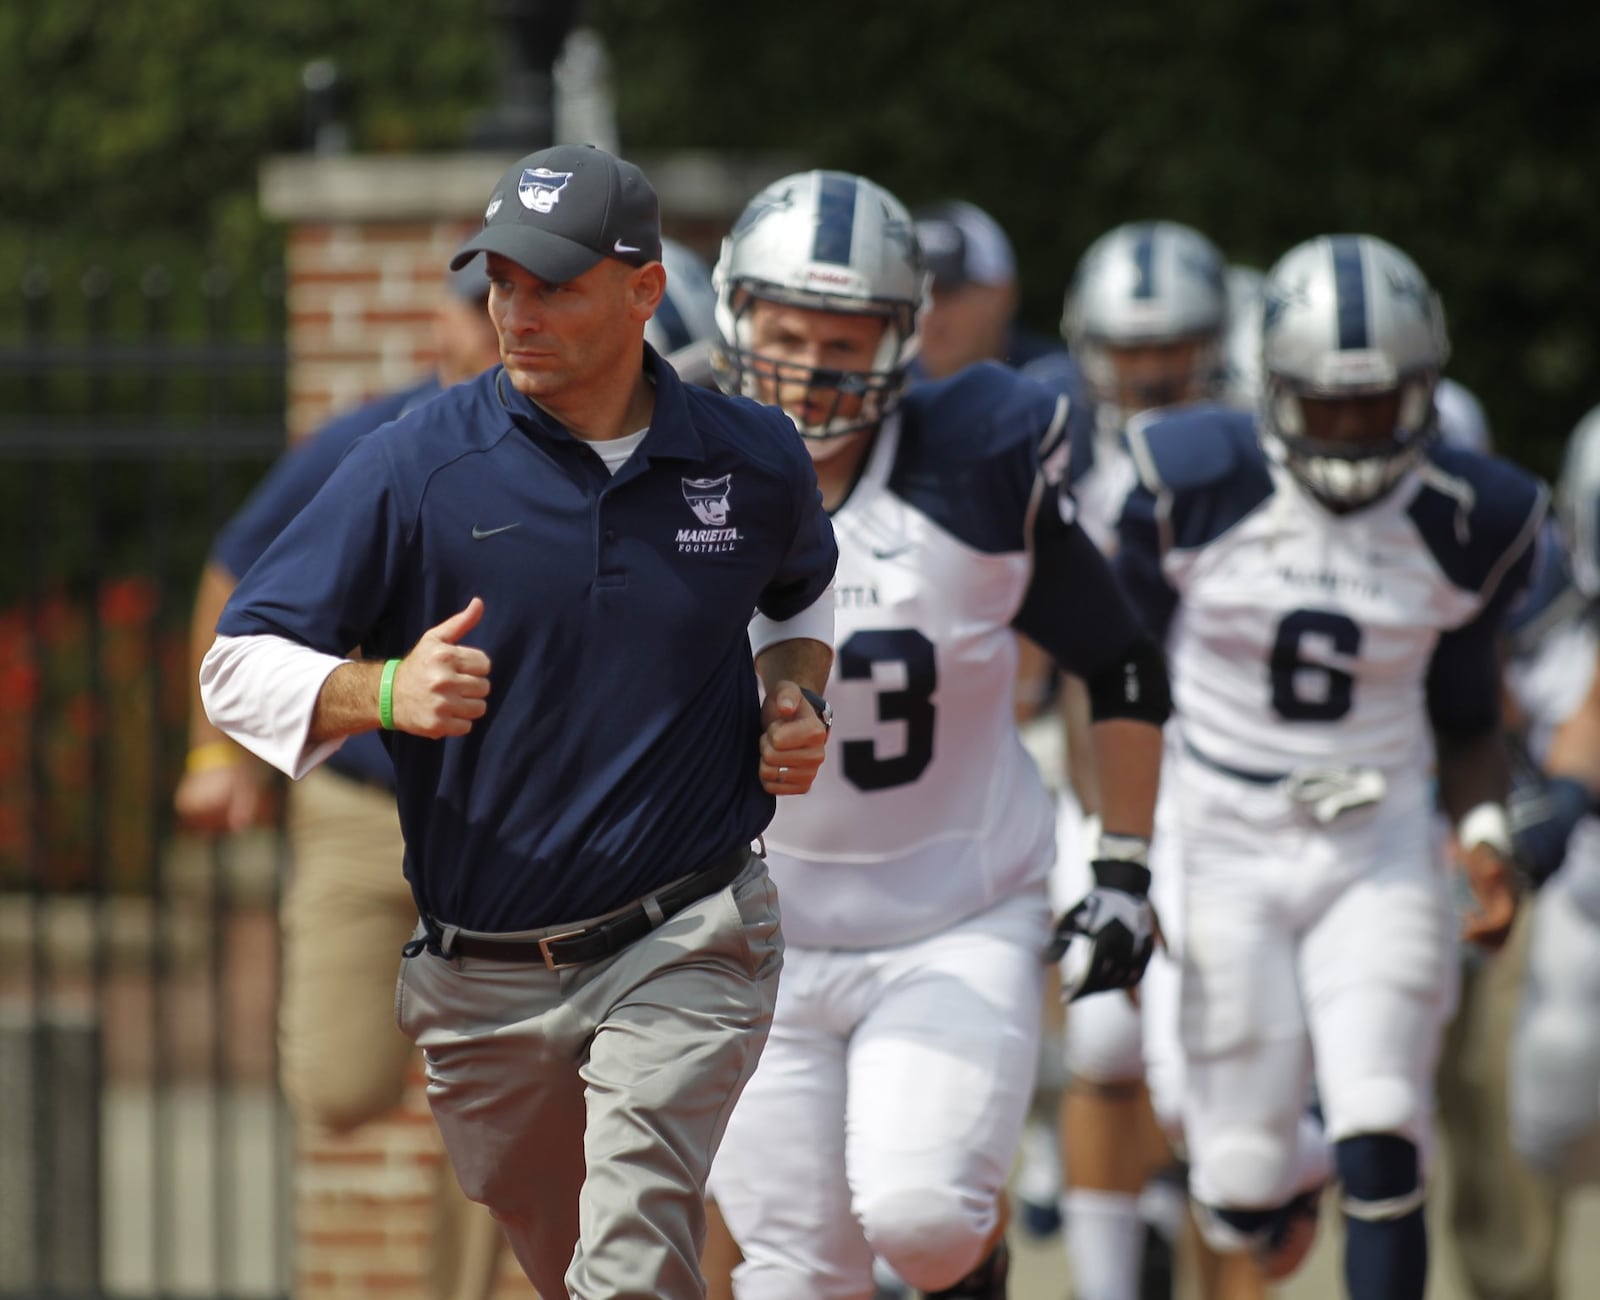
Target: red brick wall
x=363, y=1207
x=361, y=298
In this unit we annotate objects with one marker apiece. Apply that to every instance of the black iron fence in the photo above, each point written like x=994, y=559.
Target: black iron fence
x=143, y=1146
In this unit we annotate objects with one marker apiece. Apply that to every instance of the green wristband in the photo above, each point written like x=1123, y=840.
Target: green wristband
x=386, y=695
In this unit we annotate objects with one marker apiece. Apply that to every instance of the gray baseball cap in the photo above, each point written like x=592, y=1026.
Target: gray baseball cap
x=557, y=212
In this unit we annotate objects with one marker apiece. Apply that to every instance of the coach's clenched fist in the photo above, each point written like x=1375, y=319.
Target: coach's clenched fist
x=793, y=736
x=442, y=687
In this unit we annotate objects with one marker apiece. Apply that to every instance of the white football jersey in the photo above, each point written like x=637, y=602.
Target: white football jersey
x=928, y=808
x=1296, y=636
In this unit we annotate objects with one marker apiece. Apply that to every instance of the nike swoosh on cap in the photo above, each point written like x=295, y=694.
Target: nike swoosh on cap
x=620, y=247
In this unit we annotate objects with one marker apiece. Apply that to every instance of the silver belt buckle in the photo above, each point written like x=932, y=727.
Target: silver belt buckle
x=550, y=963
x=1328, y=793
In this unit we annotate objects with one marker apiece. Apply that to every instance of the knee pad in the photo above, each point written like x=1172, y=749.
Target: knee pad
x=930, y=1238
x=1381, y=1176
x=1104, y=1041
x=1242, y=1169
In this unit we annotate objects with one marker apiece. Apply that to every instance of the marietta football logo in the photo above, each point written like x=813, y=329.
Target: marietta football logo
x=540, y=188
x=708, y=498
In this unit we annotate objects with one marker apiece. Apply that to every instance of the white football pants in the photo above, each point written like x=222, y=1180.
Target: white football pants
x=884, y=1116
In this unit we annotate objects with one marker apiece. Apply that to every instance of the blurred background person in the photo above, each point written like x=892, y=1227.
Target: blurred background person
x=1504, y=1216
x=972, y=315
x=1144, y=319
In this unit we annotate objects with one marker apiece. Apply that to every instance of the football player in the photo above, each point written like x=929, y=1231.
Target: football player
x=1555, y=1069
x=1144, y=319
x=1331, y=585
x=885, y=1114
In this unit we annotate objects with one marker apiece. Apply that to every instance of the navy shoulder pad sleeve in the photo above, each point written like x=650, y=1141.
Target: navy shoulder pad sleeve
x=969, y=453
x=1206, y=464
x=1477, y=514
x=1551, y=597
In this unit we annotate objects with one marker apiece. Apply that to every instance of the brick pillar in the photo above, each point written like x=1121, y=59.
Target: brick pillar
x=369, y=238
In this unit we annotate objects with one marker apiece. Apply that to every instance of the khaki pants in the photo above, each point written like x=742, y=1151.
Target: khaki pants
x=1505, y=1223
x=584, y=1105
x=346, y=914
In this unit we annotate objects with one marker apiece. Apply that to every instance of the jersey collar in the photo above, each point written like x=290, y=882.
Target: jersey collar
x=672, y=433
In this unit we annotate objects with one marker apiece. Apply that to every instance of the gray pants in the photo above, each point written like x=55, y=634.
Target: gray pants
x=584, y=1106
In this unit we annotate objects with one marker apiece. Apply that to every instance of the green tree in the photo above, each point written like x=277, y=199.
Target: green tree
x=1463, y=133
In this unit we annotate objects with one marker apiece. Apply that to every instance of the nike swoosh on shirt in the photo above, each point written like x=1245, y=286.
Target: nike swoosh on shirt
x=478, y=534
x=889, y=552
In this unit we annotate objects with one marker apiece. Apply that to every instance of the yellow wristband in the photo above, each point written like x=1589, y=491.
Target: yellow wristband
x=218, y=753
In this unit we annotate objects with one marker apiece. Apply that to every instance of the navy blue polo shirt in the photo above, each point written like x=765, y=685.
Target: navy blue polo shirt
x=281, y=495
x=620, y=748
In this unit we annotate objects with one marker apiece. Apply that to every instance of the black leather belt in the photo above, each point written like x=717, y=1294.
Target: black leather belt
x=592, y=943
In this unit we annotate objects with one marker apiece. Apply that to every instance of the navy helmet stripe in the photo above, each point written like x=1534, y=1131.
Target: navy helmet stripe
x=1144, y=261
x=836, y=219
x=1350, y=285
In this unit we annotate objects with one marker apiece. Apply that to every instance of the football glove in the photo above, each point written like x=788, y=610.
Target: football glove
x=1543, y=816
x=1105, y=940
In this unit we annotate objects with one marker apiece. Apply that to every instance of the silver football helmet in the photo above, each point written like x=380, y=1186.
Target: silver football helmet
x=1577, y=501
x=1147, y=282
x=1349, y=316
x=1241, y=343
x=824, y=241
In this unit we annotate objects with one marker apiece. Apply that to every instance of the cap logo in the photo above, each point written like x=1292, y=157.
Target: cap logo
x=540, y=188
x=494, y=206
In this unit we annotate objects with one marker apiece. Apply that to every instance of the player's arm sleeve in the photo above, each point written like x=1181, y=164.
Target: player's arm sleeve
x=1138, y=561
x=320, y=588
x=1464, y=674
x=1073, y=607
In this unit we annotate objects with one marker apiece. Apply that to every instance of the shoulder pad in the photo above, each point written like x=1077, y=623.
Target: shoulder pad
x=977, y=412
x=1477, y=513
x=1195, y=446
x=969, y=453
x=1206, y=463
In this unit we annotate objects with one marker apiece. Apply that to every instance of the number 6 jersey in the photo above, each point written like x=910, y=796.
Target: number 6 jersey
x=1297, y=636
x=928, y=809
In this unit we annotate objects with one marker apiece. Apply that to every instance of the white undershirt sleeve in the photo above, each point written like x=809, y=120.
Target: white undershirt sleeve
x=262, y=692
x=814, y=622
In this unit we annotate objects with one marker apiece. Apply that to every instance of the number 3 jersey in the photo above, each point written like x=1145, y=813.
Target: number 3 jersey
x=1297, y=636
x=928, y=809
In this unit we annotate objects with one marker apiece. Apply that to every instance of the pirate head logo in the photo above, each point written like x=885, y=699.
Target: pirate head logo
x=540, y=188
x=708, y=498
